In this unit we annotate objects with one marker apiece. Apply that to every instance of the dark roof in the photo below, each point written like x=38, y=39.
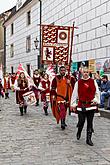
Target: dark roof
x=5, y=13
x=14, y=10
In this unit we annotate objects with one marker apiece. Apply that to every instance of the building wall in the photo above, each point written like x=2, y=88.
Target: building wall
x=21, y=31
x=91, y=39
x=1, y=42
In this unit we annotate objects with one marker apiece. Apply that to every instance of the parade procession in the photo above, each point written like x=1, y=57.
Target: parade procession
x=55, y=83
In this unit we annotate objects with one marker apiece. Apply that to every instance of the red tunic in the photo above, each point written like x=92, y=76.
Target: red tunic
x=36, y=80
x=13, y=79
x=6, y=83
x=86, y=92
x=19, y=94
x=61, y=90
x=46, y=85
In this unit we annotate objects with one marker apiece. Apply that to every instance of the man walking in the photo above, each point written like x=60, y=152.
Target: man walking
x=85, y=98
x=60, y=96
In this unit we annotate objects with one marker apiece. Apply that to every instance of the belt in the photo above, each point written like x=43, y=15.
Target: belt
x=85, y=102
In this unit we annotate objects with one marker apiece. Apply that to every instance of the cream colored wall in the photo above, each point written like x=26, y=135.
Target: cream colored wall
x=1, y=42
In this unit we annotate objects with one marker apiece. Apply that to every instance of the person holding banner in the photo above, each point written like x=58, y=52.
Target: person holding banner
x=44, y=87
x=21, y=88
x=36, y=79
x=60, y=96
x=85, y=99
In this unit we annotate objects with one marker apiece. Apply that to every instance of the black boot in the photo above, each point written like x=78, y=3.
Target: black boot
x=5, y=95
x=21, y=110
x=88, y=140
x=25, y=109
x=62, y=124
x=78, y=135
x=69, y=111
x=45, y=110
x=37, y=103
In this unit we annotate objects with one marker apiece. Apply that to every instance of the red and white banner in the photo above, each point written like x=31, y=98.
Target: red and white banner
x=22, y=69
x=56, y=44
x=50, y=72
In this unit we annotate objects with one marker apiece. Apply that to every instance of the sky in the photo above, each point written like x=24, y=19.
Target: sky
x=6, y=5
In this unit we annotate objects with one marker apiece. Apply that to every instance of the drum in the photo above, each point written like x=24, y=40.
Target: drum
x=30, y=98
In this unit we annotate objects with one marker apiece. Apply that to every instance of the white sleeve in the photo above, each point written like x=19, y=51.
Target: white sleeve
x=10, y=82
x=3, y=82
x=97, y=94
x=40, y=87
x=16, y=85
x=74, y=96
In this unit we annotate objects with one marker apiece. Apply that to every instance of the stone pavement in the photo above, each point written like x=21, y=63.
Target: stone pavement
x=36, y=139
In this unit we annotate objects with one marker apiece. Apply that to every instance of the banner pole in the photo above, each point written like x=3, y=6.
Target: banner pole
x=72, y=33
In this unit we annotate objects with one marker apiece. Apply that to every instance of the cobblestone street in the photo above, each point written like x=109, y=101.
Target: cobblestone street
x=36, y=139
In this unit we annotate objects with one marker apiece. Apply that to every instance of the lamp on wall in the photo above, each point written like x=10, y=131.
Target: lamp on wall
x=106, y=25
x=36, y=41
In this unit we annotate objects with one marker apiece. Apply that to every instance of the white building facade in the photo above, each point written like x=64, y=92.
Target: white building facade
x=91, y=39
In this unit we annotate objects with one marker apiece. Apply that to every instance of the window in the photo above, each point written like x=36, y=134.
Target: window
x=28, y=44
x=12, y=29
x=11, y=50
x=28, y=17
x=28, y=69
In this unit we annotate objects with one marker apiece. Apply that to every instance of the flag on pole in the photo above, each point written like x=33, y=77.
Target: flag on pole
x=22, y=69
x=50, y=72
x=56, y=43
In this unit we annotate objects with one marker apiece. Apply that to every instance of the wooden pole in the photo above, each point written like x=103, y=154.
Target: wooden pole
x=72, y=33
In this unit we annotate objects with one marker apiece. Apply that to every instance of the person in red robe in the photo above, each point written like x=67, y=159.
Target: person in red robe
x=21, y=87
x=7, y=85
x=36, y=79
x=60, y=96
x=84, y=101
x=13, y=78
x=44, y=87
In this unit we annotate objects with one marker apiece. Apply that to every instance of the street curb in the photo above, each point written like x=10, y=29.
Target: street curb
x=105, y=113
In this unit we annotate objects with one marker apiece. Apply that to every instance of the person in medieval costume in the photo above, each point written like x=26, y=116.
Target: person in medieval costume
x=21, y=86
x=60, y=96
x=13, y=78
x=72, y=79
x=7, y=85
x=1, y=89
x=44, y=87
x=36, y=79
x=85, y=99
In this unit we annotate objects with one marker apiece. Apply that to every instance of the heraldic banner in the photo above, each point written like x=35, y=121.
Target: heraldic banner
x=56, y=44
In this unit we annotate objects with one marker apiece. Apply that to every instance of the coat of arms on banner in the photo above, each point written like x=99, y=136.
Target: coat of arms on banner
x=55, y=44
x=29, y=97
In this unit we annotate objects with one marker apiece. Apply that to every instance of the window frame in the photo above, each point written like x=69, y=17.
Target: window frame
x=12, y=29
x=28, y=17
x=12, y=50
x=28, y=44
